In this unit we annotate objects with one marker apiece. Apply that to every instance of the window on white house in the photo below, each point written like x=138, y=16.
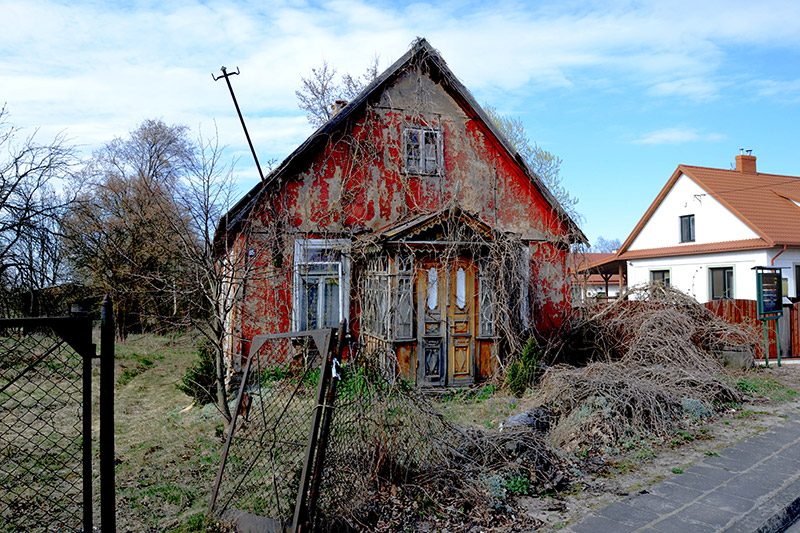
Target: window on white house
x=721, y=283
x=660, y=276
x=321, y=283
x=687, y=228
x=423, y=150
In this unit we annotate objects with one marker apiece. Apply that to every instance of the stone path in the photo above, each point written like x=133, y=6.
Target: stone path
x=752, y=486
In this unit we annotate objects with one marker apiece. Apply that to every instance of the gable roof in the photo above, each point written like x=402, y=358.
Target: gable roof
x=421, y=53
x=769, y=204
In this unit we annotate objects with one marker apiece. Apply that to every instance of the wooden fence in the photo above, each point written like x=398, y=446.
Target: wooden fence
x=746, y=311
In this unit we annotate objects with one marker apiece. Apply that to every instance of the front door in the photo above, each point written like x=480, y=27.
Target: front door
x=446, y=323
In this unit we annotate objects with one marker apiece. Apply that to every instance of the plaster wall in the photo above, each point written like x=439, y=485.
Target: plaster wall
x=713, y=221
x=691, y=274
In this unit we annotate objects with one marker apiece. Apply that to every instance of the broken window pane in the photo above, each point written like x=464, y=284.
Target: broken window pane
x=308, y=304
x=430, y=150
x=485, y=307
x=422, y=151
x=413, y=150
x=404, y=323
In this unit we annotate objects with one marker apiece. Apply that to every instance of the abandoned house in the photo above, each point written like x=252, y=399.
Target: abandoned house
x=412, y=217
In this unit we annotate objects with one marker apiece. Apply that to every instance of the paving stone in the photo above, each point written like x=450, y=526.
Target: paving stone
x=750, y=456
x=675, y=493
x=711, y=516
x=679, y=524
x=712, y=472
x=695, y=481
x=792, y=451
x=752, y=486
x=728, y=502
x=750, y=489
x=781, y=436
x=599, y=524
x=727, y=463
x=654, y=503
x=628, y=513
x=783, y=460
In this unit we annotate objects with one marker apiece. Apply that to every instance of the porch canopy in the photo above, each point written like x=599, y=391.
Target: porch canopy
x=607, y=266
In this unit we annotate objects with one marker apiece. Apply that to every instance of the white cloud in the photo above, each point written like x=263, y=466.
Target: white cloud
x=784, y=90
x=103, y=67
x=678, y=136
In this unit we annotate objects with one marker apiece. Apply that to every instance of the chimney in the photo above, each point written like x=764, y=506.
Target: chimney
x=337, y=106
x=746, y=164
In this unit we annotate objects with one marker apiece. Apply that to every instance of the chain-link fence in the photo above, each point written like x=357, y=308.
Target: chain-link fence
x=46, y=460
x=383, y=434
x=266, y=453
x=41, y=432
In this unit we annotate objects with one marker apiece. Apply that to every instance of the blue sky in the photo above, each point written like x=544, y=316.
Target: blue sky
x=622, y=91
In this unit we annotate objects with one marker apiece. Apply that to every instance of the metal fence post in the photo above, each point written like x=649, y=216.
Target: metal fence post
x=108, y=518
x=88, y=500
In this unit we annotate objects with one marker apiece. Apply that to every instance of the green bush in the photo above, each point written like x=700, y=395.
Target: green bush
x=199, y=381
x=523, y=371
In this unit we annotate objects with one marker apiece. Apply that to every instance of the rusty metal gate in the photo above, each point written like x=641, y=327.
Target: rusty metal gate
x=271, y=464
x=46, y=424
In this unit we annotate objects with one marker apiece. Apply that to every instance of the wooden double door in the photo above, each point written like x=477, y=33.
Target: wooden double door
x=447, y=302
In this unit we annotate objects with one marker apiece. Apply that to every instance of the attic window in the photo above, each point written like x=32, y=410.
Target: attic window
x=687, y=228
x=422, y=150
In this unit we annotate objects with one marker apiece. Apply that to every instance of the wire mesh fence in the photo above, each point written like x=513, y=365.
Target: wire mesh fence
x=266, y=453
x=41, y=432
x=383, y=433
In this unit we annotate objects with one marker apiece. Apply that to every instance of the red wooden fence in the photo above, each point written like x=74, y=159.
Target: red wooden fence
x=746, y=311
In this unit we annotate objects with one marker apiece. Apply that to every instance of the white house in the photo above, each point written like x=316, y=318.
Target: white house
x=708, y=228
x=590, y=284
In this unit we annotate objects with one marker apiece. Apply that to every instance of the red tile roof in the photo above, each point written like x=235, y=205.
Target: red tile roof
x=692, y=249
x=764, y=202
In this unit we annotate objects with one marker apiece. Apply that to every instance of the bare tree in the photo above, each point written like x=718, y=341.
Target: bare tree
x=320, y=91
x=603, y=245
x=30, y=210
x=149, y=212
x=115, y=231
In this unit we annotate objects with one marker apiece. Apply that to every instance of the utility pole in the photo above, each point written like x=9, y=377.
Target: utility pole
x=227, y=75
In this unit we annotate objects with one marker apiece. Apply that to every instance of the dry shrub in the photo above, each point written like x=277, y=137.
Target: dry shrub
x=650, y=353
x=393, y=462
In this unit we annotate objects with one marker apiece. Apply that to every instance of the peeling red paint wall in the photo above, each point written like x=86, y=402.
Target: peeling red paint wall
x=356, y=184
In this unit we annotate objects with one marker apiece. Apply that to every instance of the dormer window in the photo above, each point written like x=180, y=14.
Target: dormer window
x=422, y=150
x=687, y=228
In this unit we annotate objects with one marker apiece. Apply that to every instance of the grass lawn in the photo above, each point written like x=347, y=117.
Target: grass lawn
x=167, y=451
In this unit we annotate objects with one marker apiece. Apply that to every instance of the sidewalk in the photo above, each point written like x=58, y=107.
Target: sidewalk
x=752, y=486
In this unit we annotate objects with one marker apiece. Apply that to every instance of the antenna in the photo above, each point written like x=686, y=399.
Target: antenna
x=227, y=75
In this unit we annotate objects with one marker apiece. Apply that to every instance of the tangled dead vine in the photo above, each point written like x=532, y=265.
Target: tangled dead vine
x=394, y=462
x=651, y=355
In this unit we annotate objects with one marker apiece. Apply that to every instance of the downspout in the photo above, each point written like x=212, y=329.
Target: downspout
x=779, y=253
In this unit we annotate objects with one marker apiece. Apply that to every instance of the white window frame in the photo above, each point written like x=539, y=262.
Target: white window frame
x=654, y=270
x=732, y=286
x=425, y=163
x=301, y=249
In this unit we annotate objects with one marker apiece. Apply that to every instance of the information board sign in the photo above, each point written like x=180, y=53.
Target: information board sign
x=770, y=293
